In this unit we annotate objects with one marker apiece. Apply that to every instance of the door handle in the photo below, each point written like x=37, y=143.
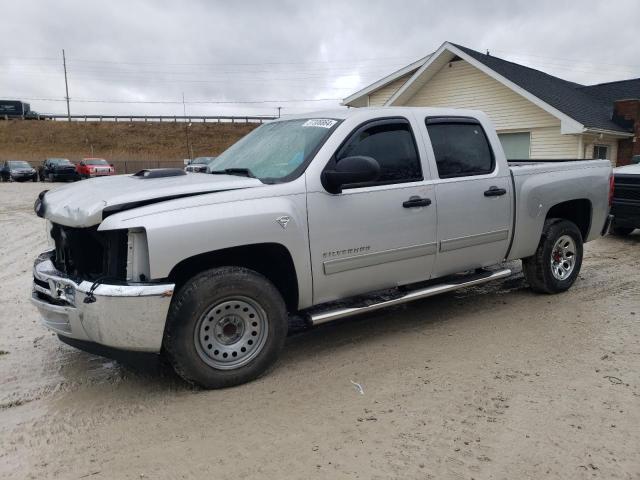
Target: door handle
x=495, y=192
x=416, y=202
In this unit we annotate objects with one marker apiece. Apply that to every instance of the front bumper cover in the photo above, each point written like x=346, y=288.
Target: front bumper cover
x=126, y=317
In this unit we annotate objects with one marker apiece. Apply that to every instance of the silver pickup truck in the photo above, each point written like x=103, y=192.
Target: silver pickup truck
x=320, y=216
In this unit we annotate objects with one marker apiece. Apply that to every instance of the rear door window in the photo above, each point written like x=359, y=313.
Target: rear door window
x=461, y=147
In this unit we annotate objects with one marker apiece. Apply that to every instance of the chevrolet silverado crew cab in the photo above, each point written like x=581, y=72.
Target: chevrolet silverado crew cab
x=318, y=216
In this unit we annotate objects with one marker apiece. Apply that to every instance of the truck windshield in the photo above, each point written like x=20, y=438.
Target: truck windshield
x=59, y=161
x=18, y=164
x=275, y=150
x=201, y=160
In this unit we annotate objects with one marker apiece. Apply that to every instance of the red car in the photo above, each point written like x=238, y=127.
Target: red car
x=95, y=167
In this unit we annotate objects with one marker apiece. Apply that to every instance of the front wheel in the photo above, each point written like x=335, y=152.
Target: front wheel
x=226, y=326
x=557, y=261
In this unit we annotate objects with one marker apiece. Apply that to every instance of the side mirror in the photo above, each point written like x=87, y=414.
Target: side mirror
x=111, y=165
x=350, y=170
x=82, y=164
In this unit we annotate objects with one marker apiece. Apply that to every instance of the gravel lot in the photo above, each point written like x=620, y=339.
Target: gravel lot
x=490, y=382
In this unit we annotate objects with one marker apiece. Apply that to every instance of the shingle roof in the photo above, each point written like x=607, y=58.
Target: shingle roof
x=592, y=105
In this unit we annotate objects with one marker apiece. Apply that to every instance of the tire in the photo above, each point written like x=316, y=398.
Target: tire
x=35, y=178
x=547, y=271
x=226, y=326
x=621, y=231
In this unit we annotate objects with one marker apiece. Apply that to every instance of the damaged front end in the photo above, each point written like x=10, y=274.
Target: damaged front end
x=93, y=286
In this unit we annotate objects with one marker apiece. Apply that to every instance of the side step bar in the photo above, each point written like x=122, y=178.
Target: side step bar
x=317, y=318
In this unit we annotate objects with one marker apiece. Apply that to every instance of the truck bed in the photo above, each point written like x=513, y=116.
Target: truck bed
x=538, y=184
x=524, y=167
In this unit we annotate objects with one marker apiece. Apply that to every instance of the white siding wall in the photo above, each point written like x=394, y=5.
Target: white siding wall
x=380, y=96
x=461, y=85
x=548, y=143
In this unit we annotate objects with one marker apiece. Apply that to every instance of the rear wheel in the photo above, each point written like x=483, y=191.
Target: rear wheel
x=557, y=261
x=226, y=326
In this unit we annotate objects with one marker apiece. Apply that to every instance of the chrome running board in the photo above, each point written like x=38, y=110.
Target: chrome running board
x=317, y=318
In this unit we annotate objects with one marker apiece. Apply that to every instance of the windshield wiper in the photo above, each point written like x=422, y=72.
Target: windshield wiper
x=242, y=172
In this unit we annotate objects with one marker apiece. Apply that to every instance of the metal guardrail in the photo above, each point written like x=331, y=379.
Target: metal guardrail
x=160, y=118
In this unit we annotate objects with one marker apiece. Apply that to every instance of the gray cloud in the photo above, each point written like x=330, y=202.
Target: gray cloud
x=140, y=50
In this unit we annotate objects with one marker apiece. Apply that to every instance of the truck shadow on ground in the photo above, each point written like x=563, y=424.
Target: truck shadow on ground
x=153, y=371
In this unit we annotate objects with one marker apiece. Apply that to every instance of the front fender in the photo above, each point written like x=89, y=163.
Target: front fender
x=178, y=233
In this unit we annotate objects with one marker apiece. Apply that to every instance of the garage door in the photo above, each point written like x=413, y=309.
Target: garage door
x=516, y=145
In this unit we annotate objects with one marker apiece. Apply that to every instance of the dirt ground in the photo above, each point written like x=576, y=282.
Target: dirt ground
x=487, y=383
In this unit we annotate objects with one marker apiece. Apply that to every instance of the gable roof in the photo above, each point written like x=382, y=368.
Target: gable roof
x=570, y=98
x=612, y=91
x=384, y=81
x=578, y=107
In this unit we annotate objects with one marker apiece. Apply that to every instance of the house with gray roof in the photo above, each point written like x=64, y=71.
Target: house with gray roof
x=536, y=114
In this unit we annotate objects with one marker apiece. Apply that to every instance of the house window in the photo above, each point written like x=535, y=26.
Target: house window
x=516, y=146
x=601, y=152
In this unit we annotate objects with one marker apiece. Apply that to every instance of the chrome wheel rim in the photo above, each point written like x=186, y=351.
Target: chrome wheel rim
x=563, y=257
x=231, y=333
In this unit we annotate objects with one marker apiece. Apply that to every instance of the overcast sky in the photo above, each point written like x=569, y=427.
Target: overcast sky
x=300, y=55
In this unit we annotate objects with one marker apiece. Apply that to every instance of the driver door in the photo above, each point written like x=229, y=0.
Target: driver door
x=376, y=235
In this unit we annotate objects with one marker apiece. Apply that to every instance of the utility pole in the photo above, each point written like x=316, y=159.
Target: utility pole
x=279, y=108
x=186, y=129
x=66, y=84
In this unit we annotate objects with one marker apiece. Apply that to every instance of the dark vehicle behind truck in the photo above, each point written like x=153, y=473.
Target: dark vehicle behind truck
x=54, y=169
x=16, y=109
x=626, y=200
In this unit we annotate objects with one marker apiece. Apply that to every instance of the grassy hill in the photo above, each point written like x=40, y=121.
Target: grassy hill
x=130, y=146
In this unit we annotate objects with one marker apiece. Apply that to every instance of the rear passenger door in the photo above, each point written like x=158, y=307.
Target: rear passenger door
x=473, y=193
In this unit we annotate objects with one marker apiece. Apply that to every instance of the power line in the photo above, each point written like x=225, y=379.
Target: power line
x=312, y=62
x=179, y=102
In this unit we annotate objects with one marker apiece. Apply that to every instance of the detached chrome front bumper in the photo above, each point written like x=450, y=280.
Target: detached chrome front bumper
x=127, y=317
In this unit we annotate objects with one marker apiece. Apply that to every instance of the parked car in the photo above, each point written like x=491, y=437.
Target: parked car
x=95, y=167
x=54, y=169
x=199, y=164
x=626, y=200
x=320, y=217
x=17, y=170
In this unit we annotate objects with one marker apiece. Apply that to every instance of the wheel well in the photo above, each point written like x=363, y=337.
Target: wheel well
x=576, y=211
x=270, y=259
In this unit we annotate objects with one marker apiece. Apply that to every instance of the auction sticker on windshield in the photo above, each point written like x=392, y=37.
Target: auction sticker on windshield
x=320, y=122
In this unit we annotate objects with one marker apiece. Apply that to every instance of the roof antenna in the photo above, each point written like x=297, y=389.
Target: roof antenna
x=488, y=52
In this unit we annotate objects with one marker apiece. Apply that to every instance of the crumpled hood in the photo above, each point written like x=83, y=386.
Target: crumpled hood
x=82, y=204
